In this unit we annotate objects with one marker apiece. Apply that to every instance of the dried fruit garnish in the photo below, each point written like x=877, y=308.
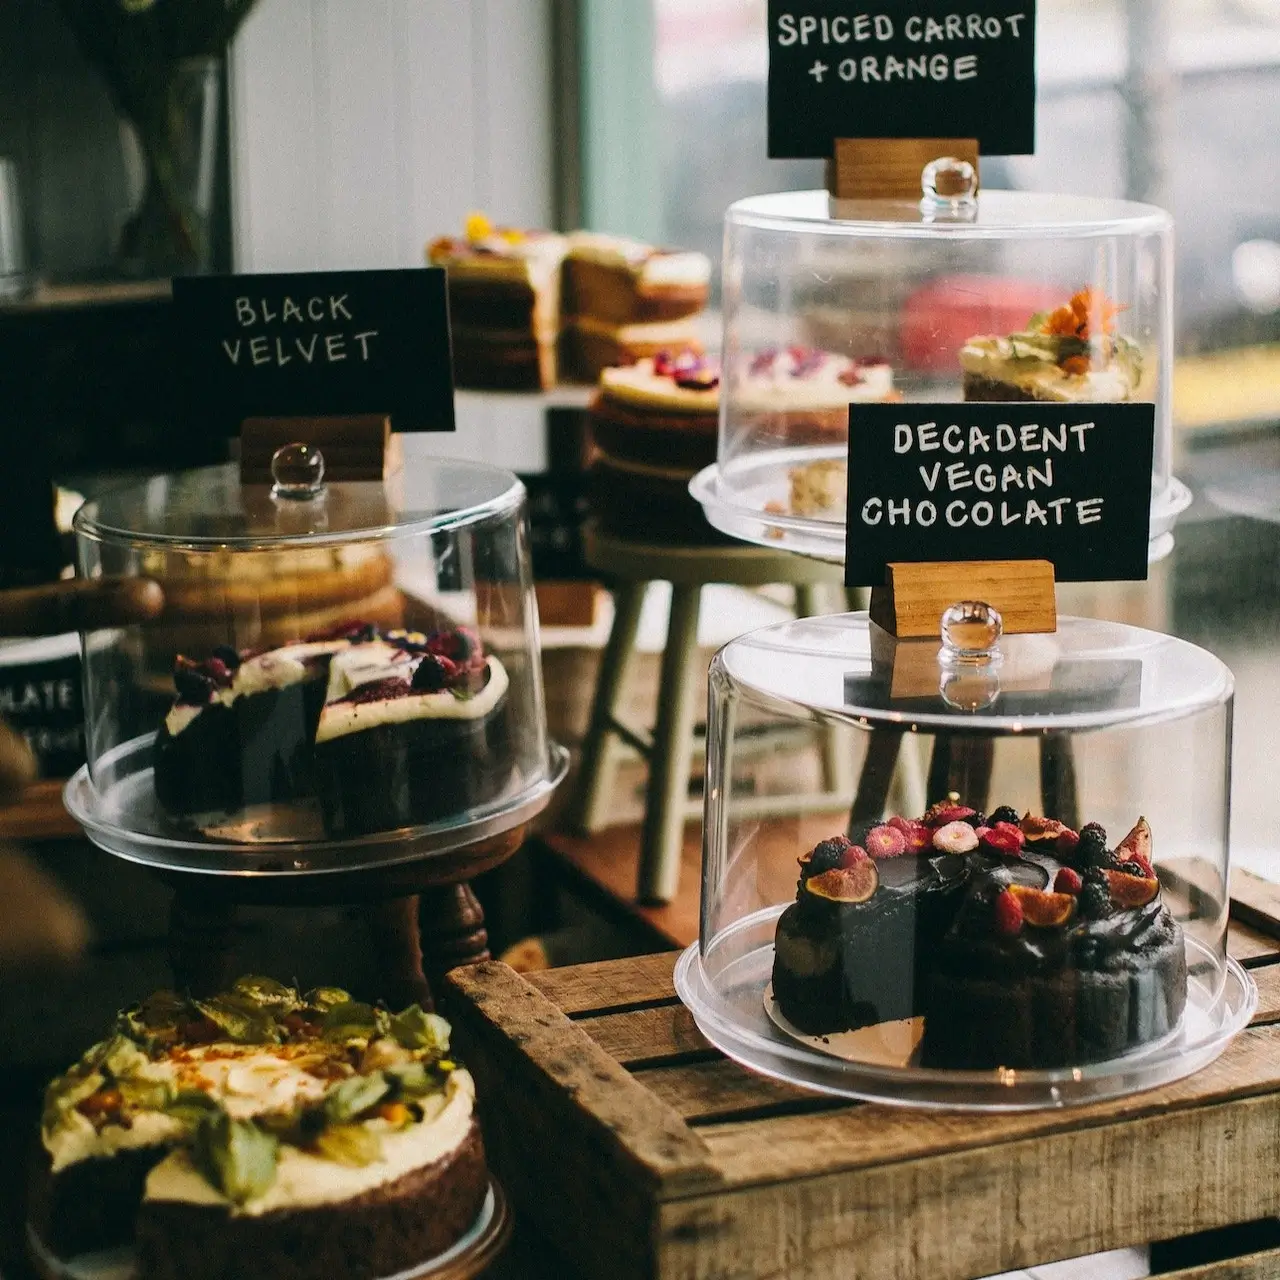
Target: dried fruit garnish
x=847, y=885
x=1137, y=843
x=1131, y=891
x=1087, y=315
x=1042, y=909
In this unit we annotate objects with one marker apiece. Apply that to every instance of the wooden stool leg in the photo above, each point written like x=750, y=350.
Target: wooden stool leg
x=678, y=695
x=397, y=951
x=962, y=765
x=453, y=933
x=599, y=747
x=876, y=778
x=837, y=764
x=1058, y=780
x=201, y=941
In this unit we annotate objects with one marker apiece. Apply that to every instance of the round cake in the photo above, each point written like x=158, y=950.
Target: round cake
x=1021, y=942
x=260, y=1133
x=383, y=729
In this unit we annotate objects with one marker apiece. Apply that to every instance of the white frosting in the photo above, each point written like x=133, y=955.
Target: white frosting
x=654, y=267
x=657, y=333
x=252, y=1082
x=303, y=1180
x=76, y=1139
x=638, y=385
x=782, y=386
x=1027, y=368
x=275, y=669
x=535, y=259
x=340, y=718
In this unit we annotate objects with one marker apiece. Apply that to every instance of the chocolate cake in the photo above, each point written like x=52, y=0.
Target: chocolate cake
x=1020, y=942
x=384, y=729
x=1072, y=354
x=414, y=728
x=263, y=1133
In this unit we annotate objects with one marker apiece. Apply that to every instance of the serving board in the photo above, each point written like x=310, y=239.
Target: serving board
x=638, y=1151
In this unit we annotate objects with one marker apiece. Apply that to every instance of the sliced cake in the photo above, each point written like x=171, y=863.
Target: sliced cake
x=618, y=281
x=262, y=1132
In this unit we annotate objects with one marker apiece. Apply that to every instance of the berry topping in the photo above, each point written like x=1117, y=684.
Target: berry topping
x=955, y=837
x=1137, y=843
x=1003, y=838
x=1132, y=868
x=1142, y=863
x=433, y=674
x=227, y=656
x=827, y=854
x=1040, y=829
x=1132, y=891
x=218, y=671
x=763, y=361
x=378, y=690
x=1066, y=844
x=1044, y=910
x=850, y=377
x=886, y=842
x=1067, y=881
x=938, y=815
x=918, y=836
x=853, y=855
x=1095, y=901
x=1091, y=849
x=459, y=645
x=1008, y=913
x=846, y=884
x=192, y=684
x=806, y=361
x=1005, y=813
x=977, y=820
x=701, y=375
x=1098, y=830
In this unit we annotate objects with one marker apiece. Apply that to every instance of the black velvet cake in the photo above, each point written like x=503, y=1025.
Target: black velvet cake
x=1022, y=943
x=385, y=729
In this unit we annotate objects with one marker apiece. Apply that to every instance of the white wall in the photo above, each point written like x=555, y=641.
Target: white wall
x=360, y=129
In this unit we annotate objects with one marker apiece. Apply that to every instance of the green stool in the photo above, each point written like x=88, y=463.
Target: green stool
x=632, y=566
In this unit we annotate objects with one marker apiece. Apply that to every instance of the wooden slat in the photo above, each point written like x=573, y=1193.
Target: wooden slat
x=1250, y=947
x=1268, y=979
x=801, y=1146
x=548, y=1090
x=648, y=1035
x=39, y=814
x=721, y=1090
x=609, y=984
x=1255, y=902
x=960, y=1214
x=1253, y=1266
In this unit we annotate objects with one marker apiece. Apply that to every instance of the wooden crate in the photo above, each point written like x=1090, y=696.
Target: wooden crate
x=637, y=1150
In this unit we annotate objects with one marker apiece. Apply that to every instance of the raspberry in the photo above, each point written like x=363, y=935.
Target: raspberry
x=853, y=855
x=955, y=837
x=1004, y=838
x=218, y=672
x=1005, y=813
x=1067, y=842
x=1008, y=914
x=1095, y=901
x=885, y=842
x=827, y=854
x=1067, y=881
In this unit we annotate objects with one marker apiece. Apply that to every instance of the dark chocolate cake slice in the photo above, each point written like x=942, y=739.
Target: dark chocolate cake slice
x=414, y=729
x=241, y=729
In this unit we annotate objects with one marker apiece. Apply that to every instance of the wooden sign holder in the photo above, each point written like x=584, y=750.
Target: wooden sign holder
x=915, y=596
x=891, y=168
x=422, y=916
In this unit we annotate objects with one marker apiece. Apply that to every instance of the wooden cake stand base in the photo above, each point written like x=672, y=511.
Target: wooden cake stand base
x=423, y=918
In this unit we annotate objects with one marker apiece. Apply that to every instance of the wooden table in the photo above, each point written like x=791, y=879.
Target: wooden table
x=637, y=1150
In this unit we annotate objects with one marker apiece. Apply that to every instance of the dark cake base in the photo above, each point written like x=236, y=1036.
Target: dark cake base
x=377, y=1234
x=92, y=1204
x=977, y=388
x=405, y=775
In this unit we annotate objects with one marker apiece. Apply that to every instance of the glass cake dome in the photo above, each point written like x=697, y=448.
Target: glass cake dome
x=1021, y=901
x=1002, y=296
x=344, y=675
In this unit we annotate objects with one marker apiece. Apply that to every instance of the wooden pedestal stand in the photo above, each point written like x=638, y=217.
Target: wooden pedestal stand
x=422, y=916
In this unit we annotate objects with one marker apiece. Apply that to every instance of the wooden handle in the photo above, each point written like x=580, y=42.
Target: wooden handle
x=83, y=605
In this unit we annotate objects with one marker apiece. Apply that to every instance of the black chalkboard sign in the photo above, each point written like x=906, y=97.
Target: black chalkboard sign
x=324, y=343
x=901, y=69
x=1069, y=483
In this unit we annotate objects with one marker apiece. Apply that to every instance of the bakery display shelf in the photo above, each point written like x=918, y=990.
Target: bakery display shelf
x=564, y=395
x=755, y=507
x=470, y=1257
x=700, y=1167
x=120, y=816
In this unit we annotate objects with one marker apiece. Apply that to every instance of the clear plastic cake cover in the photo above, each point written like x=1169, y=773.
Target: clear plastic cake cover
x=1006, y=296
x=343, y=674
x=1011, y=888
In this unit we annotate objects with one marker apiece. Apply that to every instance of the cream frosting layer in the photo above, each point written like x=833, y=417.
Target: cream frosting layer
x=275, y=669
x=650, y=266
x=303, y=1180
x=339, y=718
x=76, y=1139
x=655, y=333
x=638, y=385
x=534, y=260
x=1030, y=368
x=810, y=382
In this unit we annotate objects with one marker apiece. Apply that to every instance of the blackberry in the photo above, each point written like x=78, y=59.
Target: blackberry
x=1095, y=901
x=826, y=855
x=229, y=657
x=192, y=684
x=431, y=676
x=1005, y=813
x=1095, y=875
x=1095, y=827
x=1133, y=869
x=976, y=820
x=1092, y=849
